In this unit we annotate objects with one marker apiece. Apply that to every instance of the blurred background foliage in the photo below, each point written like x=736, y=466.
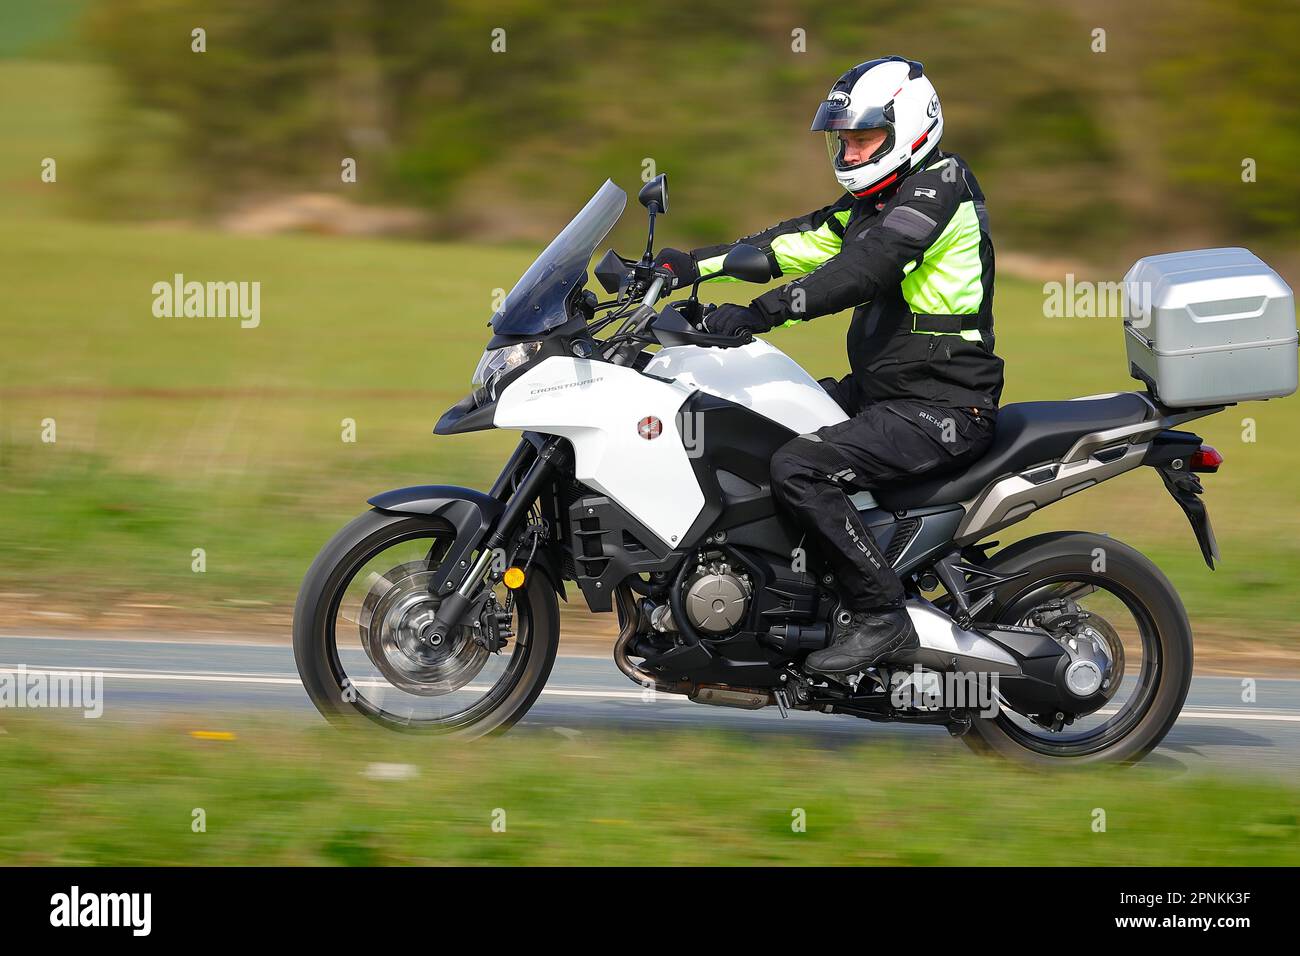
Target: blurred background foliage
x=1082, y=153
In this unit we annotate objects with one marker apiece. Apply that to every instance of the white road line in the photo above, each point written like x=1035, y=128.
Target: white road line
x=600, y=694
x=271, y=643
x=161, y=676
x=1240, y=715
x=215, y=678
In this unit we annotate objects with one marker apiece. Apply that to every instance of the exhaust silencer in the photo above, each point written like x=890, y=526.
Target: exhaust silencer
x=720, y=695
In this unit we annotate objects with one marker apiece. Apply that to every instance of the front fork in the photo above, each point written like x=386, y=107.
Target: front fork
x=552, y=454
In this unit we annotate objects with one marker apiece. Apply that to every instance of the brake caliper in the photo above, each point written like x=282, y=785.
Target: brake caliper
x=1058, y=614
x=495, y=623
x=1095, y=649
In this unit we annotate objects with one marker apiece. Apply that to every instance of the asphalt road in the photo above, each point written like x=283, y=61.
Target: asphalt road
x=212, y=681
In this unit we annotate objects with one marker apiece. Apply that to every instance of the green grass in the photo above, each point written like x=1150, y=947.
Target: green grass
x=85, y=793
x=176, y=434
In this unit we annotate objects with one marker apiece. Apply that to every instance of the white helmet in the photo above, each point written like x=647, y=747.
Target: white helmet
x=892, y=94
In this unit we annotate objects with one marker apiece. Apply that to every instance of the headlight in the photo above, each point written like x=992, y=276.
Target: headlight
x=496, y=362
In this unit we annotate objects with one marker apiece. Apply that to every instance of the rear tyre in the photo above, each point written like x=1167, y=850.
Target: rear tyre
x=1160, y=675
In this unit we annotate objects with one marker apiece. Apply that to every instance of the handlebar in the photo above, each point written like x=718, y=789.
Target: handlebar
x=638, y=322
x=652, y=293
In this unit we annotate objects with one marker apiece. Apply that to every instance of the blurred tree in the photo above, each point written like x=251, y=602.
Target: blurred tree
x=1226, y=79
x=1078, y=150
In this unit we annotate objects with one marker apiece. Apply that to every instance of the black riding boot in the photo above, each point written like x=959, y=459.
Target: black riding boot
x=863, y=638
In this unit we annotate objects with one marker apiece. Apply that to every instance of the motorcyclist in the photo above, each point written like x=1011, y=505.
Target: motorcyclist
x=908, y=245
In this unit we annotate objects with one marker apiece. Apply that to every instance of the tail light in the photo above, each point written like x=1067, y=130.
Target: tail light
x=1205, y=458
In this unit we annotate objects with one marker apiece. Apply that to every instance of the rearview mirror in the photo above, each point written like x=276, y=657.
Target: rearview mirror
x=746, y=263
x=655, y=192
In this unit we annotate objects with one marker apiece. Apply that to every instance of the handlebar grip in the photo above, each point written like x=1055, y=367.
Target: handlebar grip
x=652, y=293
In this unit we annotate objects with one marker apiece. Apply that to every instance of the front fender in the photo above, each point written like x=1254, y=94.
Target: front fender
x=444, y=501
x=471, y=514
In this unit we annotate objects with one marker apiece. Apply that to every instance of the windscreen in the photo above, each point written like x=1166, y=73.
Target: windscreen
x=536, y=303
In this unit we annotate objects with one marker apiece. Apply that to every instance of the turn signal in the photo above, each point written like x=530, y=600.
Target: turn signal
x=514, y=578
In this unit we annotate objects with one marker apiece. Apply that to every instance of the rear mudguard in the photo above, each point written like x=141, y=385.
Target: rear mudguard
x=472, y=515
x=1186, y=490
x=1169, y=454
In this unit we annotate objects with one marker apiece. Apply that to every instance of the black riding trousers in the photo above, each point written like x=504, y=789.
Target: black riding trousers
x=881, y=443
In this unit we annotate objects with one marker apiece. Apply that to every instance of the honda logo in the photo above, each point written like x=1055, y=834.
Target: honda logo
x=649, y=427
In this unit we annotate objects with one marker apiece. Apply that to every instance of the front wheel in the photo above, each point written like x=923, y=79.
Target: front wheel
x=364, y=645
x=1127, y=604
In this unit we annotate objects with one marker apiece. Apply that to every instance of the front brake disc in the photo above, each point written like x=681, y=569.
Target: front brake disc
x=396, y=627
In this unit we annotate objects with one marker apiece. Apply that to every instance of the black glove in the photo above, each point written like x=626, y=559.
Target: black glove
x=736, y=320
x=680, y=266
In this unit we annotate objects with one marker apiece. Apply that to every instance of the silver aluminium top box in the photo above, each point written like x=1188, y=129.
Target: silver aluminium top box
x=1210, y=327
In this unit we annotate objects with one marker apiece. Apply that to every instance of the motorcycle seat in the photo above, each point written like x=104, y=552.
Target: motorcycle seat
x=1026, y=434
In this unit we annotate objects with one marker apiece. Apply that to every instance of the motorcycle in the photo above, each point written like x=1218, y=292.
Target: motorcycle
x=642, y=477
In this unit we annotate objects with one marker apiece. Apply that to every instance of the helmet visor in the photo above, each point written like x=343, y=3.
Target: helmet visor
x=838, y=112
x=845, y=147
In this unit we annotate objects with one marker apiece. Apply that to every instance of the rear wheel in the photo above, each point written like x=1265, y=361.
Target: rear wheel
x=364, y=644
x=1132, y=610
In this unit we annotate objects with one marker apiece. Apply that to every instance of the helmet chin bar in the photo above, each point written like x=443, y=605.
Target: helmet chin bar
x=891, y=177
x=889, y=180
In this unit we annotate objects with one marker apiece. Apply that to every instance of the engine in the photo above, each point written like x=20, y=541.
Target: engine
x=716, y=598
x=721, y=594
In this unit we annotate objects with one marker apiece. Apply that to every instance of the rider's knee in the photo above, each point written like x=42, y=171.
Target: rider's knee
x=793, y=460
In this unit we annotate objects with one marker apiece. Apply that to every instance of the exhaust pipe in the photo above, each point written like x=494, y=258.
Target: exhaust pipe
x=629, y=616
x=719, y=695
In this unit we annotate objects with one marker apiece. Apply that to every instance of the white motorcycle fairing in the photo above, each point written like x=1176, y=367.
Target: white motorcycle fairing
x=599, y=407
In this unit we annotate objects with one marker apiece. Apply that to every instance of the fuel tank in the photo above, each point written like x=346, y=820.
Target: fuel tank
x=758, y=375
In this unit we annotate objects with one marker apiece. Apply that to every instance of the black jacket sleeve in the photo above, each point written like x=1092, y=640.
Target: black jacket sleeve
x=763, y=240
x=872, y=258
